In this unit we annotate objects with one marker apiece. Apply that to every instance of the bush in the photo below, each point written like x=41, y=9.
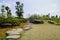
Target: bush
x=23, y=20
x=51, y=22
x=5, y=22
x=13, y=21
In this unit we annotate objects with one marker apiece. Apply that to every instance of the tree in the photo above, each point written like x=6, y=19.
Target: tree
x=2, y=10
x=48, y=15
x=19, y=8
x=56, y=16
x=45, y=17
x=53, y=18
x=57, y=19
x=8, y=11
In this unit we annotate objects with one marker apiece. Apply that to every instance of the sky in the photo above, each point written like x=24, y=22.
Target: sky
x=40, y=7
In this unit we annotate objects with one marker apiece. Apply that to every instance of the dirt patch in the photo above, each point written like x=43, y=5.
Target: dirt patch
x=42, y=32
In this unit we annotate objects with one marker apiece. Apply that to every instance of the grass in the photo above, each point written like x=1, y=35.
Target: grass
x=3, y=30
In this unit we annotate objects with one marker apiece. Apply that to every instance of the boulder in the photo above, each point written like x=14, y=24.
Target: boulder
x=38, y=22
x=6, y=25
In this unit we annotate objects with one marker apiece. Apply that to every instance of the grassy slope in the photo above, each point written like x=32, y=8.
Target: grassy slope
x=42, y=32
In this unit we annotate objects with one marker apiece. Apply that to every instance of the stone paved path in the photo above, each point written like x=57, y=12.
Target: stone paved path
x=15, y=34
x=42, y=32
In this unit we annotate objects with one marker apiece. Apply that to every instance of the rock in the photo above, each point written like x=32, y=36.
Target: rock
x=38, y=22
x=13, y=37
x=19, y=30
x=14, y=32
x=11, y=33
x=27, y=27
x=13, y=29
x=51, y=22
x=6, y=24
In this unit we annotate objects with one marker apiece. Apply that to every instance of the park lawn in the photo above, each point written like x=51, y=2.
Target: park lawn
x=3, y=30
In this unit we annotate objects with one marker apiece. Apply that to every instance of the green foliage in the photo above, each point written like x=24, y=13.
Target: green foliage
x=2, y=10
x=51, y=22
x=38, y=17
x=56, y=19
x=19, y=8
x=13, y=21
x=53, y=19
x=8, y=11
x=18, y=3
x=7, y=8
x=45, y=17
x=23, y=20
x=8, y=18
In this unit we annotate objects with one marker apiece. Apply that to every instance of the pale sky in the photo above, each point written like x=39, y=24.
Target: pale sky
x=35, y=6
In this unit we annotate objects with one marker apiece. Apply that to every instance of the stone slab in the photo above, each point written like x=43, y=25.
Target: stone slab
x=13, y=37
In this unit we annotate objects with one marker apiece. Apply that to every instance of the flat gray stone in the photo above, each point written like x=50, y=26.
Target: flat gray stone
x=14, y=32
x=9, y=32
x=19, y=30
x=13, y=37
x=27, y=27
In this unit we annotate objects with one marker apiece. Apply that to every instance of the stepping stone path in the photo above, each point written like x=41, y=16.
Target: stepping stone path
x=15, y=34
x=14, y=31
x=27, y=27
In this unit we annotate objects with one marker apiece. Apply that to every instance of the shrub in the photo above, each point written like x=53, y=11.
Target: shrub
x=51, y=22
x=23, y=20
x=5, y=22
x=13, y=21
